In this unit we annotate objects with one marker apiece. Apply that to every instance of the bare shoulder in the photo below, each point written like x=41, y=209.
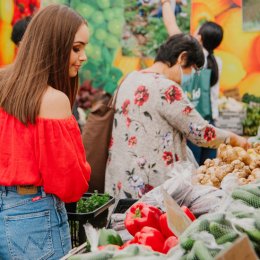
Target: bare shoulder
x=55, y=104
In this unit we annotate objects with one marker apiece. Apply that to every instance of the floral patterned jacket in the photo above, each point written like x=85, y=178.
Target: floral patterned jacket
x=152, y=121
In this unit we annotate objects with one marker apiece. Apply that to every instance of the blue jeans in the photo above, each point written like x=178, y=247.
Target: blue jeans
x=32, y=226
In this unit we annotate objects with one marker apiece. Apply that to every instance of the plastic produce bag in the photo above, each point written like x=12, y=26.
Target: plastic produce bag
x=229, y=182
x=200, y=199
x=178, y=186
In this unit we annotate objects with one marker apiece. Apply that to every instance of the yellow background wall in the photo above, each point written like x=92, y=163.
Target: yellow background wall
x=239, y=50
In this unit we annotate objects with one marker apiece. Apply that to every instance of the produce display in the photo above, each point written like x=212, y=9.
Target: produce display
x=212, y=233
x=252, y=121
x=244, y=165
x=247, y=98
x=95, y=201
x=149, y=226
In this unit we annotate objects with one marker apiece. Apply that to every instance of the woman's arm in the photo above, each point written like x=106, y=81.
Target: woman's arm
x=169, y=18
x=174, y=106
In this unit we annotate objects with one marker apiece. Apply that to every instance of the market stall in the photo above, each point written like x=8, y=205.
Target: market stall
x=201, y=214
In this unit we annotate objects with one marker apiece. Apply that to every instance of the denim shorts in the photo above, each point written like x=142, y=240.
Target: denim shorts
x=32, y=226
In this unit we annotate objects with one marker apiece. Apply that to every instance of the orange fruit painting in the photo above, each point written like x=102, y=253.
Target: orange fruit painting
x=239, y=50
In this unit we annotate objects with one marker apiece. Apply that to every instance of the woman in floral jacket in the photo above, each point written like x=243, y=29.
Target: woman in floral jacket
x=154, y=118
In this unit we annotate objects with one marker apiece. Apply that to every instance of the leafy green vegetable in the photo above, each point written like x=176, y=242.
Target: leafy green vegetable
x=86, y=205
x=252, y=121
x=109, y=236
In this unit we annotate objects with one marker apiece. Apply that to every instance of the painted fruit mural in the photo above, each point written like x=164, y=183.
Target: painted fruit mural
x=239, y=50
x=10, y=12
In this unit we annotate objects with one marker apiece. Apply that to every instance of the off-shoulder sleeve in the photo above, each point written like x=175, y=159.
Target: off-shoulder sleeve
x=62, y=161
x=175, y=107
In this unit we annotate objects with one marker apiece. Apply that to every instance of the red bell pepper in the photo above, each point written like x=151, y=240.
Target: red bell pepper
x=150, y=236
x=141, y=215
x=169, y=243
x=164, y=226
x=188, y=213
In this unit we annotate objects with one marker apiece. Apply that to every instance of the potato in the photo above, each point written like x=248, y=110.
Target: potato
x=227, y=168
x=205, y=179
x=242, y=181
x=237, y=164
x=251, y=178
x=240, y=173
x=217, y=162
x=254, y=164
x=256, y=173
x=208, y=163
x=242, y=155
x=247, y=169
x=201, y=170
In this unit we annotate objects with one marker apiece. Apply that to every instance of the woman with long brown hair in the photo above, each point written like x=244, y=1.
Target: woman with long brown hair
x=42, y=159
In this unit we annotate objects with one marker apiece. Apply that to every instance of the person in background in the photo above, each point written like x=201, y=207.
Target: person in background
x=209, y=35
x=19, y=30
x=42, y=159
x=154, y=118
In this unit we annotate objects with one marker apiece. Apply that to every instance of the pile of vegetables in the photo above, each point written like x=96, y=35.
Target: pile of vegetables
x=95, y=201
x=105, y=22
x=252, y=121
x=148, y=225
x=248, y=98
x=244, y=165
x=212, y=233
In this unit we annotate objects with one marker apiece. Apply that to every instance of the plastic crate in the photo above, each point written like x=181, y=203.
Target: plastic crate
x=121, y=206
x=97, y=218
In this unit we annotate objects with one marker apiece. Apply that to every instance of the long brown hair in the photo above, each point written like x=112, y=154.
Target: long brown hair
x=42, y=60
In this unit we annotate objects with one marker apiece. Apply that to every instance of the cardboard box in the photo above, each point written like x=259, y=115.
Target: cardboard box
x=241, y=249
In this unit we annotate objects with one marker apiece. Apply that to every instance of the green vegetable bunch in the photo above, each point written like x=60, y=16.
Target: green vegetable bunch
x=247, y=98
x=252, y=121
x=86, y=205
x=105, y=22
x=211, y=233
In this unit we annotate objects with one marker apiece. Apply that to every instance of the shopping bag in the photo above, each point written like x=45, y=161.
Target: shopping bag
x=96, y=137
x=198, y=92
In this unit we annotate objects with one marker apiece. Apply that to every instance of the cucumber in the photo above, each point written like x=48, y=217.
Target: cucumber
x=247, y=197
x=227, y=244
x=201, y=251
x=252, y=189
x=187, y=243
x=196, y=227
x=219, y=230
x=191, y=255
x=257, y=222
x=254, y=235
x=217, y=217
x=227, y=238
x=214, y=252
x=242, y=214
x=203, y=225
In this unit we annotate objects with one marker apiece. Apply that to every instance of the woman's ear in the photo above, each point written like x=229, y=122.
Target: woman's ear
x=182, y=59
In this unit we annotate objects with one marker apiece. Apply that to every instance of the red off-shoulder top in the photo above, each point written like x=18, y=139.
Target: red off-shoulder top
x=49, y=153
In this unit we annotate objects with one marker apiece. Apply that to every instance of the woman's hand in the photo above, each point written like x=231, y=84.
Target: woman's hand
x=236, y=140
